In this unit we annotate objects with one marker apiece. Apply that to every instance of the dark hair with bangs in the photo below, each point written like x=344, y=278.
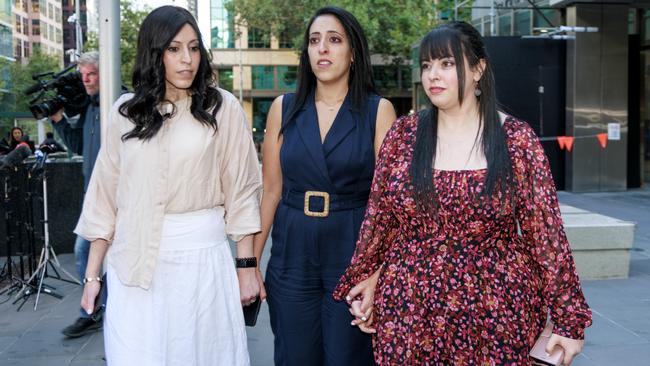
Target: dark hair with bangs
x=461, y=41
x=361, y=82
x=156, y=33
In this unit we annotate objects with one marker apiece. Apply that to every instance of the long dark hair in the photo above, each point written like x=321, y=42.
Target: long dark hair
x=361, y=82
x=156, y=33
x=461, y=41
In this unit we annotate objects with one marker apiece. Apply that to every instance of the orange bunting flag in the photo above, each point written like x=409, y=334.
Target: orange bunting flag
x=602, y=138
x=565, y=142
x=568, y=140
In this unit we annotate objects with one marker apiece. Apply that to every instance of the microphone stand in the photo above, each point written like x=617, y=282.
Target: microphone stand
x=10, y=270
x=48, y=257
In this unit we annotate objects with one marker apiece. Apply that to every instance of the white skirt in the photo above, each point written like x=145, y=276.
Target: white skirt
x=191, y=314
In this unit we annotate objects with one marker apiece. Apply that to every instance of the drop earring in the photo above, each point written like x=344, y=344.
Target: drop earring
x=477, y=92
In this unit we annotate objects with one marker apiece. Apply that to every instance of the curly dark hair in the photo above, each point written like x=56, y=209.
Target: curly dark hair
x=156, y=33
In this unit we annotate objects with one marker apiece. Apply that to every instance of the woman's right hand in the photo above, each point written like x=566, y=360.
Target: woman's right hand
x=91, y=291
x=260, y=279
x=362, y=308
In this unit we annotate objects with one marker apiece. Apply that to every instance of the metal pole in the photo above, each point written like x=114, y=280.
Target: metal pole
x=241, y=75
x=79, y=45
x=109, y=59
x=493, y=26
x=455, y=9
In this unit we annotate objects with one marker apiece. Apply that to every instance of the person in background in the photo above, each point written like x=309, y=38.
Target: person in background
x=82, y=135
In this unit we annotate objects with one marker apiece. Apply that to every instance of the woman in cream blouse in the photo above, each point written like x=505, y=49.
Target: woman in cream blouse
x=160, y=209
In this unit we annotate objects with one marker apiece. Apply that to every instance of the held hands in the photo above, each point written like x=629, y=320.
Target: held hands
x=570, y=346
x=362, y=309
x=91, y=291
x=249, y=286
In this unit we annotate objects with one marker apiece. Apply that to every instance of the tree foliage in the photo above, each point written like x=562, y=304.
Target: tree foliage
x=130, y=20
x=392, y=27
x=17, y=78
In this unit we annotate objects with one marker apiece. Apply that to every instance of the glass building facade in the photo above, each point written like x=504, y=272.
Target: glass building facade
x=222, y=26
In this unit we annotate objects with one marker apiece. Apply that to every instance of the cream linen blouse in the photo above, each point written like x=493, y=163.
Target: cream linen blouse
x=186, y=166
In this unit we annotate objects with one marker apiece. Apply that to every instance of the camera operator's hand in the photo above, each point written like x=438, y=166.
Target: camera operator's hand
x=56, y=117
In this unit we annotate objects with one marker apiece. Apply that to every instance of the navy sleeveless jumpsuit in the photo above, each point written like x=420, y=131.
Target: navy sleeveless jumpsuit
x=310, y=253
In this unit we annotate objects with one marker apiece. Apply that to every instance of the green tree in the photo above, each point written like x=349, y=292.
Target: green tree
x=17, y=78
x=392, y=27
x=130, y=20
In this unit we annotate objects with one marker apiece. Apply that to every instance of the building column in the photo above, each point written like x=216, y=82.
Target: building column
x=597, y=85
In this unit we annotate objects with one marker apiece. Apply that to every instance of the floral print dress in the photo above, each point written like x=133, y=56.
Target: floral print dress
x=463, y=285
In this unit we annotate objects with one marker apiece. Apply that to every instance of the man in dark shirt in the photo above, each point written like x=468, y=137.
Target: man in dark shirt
x=50, y=144
x=81, y=134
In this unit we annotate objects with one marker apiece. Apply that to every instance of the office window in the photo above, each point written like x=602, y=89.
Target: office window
x=540, y=21
x=286, y=38
x=36, y=27
x=26, y=26
x=287, y=76
x=226, y=79
x=522, y=23
x=19, y=24
x=18, y=51
x=487, y=26
x=26, y=49
x=58, y=36
x=263, y=77
x=222, y=26
x=6, y=41
x=257, y=39
x=406, y=77
x=505, y=25
x=35, y=6
x=50, y=11
x=385, y=77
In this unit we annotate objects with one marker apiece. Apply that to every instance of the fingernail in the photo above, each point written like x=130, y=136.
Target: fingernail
x=352, y=323
x=89, y=311
x=364, y=318
x=348, y=298
x=548, y=354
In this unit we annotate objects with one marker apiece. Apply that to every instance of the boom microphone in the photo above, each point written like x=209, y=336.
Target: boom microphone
x=15, y=157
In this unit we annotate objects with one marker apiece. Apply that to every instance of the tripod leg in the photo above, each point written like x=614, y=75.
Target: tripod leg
x=29, y=282
x=58, y=265
x=40, y=286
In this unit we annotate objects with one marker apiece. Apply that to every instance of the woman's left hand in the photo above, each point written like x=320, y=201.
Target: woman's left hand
x=570, y=346
x=249, y=287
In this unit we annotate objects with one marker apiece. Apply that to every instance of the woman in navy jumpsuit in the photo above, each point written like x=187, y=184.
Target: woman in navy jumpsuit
x=318, y=162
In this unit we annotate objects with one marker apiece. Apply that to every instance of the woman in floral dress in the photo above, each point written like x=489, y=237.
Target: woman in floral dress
x=462, y=256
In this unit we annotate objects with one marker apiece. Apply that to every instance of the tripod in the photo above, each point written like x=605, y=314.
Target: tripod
x=48, y=258
x=10, y=269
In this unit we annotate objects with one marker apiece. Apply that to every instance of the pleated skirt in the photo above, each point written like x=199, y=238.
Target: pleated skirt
x=191, y=315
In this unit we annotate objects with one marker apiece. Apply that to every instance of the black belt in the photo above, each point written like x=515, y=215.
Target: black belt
x=319, y=204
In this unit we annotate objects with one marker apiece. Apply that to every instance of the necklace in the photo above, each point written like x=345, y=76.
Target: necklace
x=331, y=107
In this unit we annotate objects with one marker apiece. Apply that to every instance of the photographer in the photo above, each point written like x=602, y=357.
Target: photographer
x=83, y=138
